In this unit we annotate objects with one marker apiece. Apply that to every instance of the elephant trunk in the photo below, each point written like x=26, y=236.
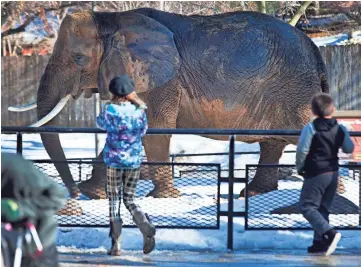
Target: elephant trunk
x=50, y=99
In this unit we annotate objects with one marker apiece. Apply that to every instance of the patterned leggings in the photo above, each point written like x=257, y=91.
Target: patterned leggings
x=116, y=178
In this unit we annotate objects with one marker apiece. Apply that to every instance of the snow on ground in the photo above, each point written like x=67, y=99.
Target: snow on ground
x=193, y=199
x=176, y=239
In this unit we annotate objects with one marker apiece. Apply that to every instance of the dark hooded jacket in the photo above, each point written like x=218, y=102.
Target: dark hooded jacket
x=318, y=146
x=38, y=196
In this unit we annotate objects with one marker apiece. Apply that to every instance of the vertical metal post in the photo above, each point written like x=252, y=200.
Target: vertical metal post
x=97, y=110
x=230, y=192
x=79, y=166
x=172, y=166
x=246, y=199
x=359, y=192
x=19, y=143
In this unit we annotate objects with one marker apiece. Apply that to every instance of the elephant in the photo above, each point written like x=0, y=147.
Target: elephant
x=235, y=70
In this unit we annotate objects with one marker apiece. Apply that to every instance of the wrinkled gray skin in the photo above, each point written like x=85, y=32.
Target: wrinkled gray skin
x=237, y=70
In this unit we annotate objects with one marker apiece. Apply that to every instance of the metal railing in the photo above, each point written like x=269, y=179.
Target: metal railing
x=232, y=133
x=279, y=209
x=177, y=213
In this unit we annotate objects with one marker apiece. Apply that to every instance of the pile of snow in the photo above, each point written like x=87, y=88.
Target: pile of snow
x=177, y=239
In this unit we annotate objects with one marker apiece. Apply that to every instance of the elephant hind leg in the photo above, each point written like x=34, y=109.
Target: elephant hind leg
x=266, y=178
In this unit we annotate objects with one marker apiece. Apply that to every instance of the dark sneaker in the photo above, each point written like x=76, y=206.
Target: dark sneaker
x=331, y=239
x=317, y=247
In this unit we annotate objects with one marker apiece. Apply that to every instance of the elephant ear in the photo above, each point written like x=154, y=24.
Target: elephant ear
x=144, y=49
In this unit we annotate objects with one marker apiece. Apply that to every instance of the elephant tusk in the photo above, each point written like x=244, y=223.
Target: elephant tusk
x=23, y=107
x=55, y=111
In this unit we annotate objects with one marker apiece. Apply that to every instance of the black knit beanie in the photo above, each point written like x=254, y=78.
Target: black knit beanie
x=121, y=85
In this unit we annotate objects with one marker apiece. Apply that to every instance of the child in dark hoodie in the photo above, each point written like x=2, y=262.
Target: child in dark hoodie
x=317, y=161
x=125, y=121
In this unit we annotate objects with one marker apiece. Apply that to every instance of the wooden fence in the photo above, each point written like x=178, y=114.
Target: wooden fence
x=20, y=77
x=343, y=65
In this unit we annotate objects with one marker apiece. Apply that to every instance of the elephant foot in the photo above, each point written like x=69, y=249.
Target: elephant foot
x=74, y=191
x=71, y=208
x=251, y=193
x=93, y=190
x=164, y=191
x=254, y=191
x=340, y=186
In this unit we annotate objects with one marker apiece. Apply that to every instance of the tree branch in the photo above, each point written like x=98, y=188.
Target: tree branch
x=262, y=6
x=299, y=13
x=22, y=27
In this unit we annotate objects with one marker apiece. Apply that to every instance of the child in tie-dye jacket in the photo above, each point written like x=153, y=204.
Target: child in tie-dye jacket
x=125, y=121
x=125, y=124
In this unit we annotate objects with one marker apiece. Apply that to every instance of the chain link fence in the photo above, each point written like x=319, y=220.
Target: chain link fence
x=197, y=206
x=279, y=209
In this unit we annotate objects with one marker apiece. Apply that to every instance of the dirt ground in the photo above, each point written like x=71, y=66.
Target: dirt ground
x=216, y=259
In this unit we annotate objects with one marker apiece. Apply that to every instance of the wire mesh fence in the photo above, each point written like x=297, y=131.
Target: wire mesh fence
x=193, y=202
x=279, y=209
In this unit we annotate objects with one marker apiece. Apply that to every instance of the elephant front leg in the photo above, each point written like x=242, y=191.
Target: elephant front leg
x=94, y=188
x=266, y=178
x=157, y=150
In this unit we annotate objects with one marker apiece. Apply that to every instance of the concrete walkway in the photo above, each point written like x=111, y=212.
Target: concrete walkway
x=215, y=259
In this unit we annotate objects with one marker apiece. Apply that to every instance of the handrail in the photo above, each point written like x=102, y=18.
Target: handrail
x=157, y=131
x=179, y=155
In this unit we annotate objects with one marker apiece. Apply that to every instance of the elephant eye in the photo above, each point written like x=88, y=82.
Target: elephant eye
x=80, y=59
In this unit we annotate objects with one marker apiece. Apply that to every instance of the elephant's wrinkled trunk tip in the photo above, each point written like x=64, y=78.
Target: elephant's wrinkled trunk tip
x=55, y=111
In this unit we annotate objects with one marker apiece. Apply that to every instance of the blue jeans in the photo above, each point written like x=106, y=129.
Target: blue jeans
x=316, y=199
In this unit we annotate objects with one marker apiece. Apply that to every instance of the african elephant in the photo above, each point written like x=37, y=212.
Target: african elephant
x=235, y=70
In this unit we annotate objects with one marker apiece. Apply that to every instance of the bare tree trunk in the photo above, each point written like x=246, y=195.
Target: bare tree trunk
x=9, y=47
x=125, y=6
x=262, y=6
x=93, y=6
x=161, y=5
x=242, y=5
x=4, y=48
x=299, y=13
x=317, y=7
x=16, y=45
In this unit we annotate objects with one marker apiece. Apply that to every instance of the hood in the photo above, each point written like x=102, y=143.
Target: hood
x=322, y=124
x=123, y=109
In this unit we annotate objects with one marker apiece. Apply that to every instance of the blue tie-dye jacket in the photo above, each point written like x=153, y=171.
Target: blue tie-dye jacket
x=125, y=124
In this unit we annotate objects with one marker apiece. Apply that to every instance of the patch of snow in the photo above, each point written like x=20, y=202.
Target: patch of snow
x=96, y=239
x=330, y=40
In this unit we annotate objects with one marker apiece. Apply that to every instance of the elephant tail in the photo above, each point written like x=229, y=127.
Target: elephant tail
x=325, y=87
x=321, y=69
